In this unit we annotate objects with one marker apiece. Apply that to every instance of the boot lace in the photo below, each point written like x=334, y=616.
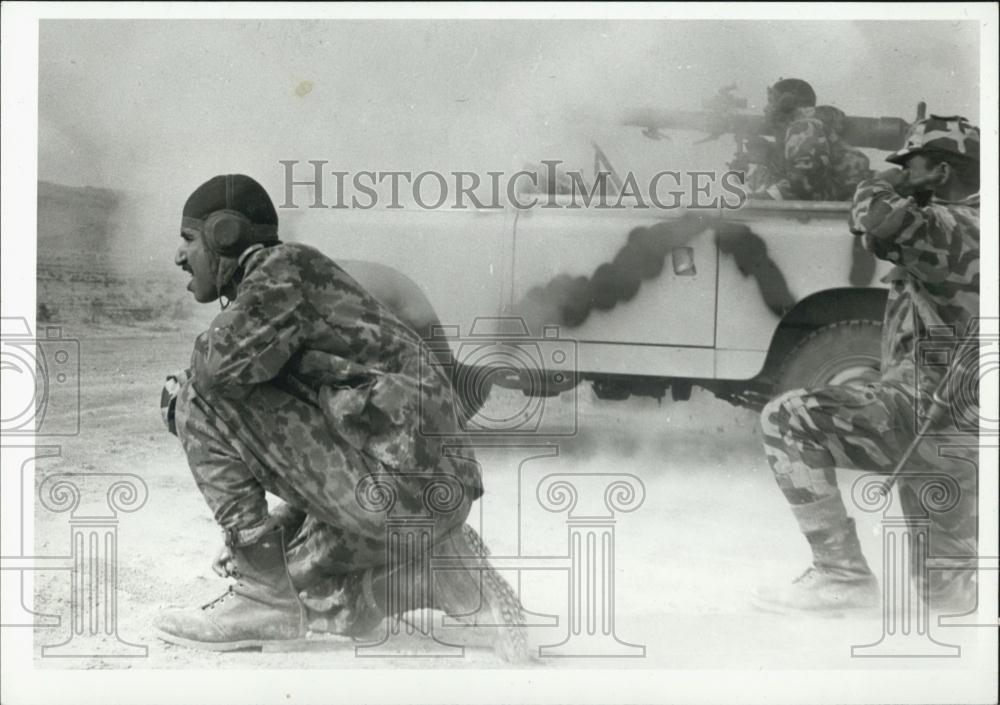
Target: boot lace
x=230, y=591
x=220, y=599
x=807, y=576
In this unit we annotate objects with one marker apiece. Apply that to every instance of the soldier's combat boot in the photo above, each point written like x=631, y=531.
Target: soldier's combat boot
x=839, y=580
x=464, y=586
x=260, y=609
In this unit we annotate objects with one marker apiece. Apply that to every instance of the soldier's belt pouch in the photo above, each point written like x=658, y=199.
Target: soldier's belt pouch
x=343, y=408
x=376, y=419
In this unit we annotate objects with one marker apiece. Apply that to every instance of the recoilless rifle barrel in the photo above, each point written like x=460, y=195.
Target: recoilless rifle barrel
x=721, y=117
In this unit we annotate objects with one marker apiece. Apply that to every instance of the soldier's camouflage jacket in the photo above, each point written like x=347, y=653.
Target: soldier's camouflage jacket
x=301, y=322
x=936, y=278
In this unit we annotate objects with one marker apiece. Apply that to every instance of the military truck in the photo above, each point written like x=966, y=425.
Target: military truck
x=769, y=297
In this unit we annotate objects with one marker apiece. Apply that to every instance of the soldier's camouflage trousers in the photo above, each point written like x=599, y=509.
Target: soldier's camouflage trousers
x=273, y=441
x=809, y=433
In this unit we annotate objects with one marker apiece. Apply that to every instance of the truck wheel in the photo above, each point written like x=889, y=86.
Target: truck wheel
x=848, y=352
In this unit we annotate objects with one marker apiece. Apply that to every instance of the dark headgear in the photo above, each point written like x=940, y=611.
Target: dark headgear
x=231, y=212
x=790, y=93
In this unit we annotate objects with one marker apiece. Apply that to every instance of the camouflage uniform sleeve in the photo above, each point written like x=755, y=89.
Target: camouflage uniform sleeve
x=249, y=343
x=896, y=229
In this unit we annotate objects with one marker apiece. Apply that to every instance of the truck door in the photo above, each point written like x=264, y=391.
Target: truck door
x=616, y=278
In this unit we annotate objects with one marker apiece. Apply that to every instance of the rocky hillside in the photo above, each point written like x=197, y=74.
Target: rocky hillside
x=100, y=259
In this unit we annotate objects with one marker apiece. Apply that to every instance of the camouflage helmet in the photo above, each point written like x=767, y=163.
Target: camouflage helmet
x=807, y=145
x=834, y=118
x=952, y=135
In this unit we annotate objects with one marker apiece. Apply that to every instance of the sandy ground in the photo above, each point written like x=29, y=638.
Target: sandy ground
x=711, y=528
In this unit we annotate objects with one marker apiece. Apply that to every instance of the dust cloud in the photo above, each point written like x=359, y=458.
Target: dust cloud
x=159, y=106
x=151, y=109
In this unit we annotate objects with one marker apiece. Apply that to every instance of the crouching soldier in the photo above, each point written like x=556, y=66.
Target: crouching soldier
x=924, y=219
x=307, y=387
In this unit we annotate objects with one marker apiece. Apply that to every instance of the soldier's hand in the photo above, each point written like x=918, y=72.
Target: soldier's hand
x=287, y=517
x=168, y=398
x=223, y=563
x=896, y=178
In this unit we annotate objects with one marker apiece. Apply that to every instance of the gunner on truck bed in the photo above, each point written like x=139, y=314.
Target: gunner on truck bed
x=808, y=160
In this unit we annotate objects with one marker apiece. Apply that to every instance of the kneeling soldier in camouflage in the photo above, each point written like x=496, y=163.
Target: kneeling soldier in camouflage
x=809, y=433
x=309, y=388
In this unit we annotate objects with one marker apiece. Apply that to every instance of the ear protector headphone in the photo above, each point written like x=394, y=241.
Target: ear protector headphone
x=227, y=232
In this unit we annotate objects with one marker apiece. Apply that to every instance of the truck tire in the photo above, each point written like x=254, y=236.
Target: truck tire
x=847, y=352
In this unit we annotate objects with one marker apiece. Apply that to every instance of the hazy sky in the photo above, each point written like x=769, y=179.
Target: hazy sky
x=160, y=106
